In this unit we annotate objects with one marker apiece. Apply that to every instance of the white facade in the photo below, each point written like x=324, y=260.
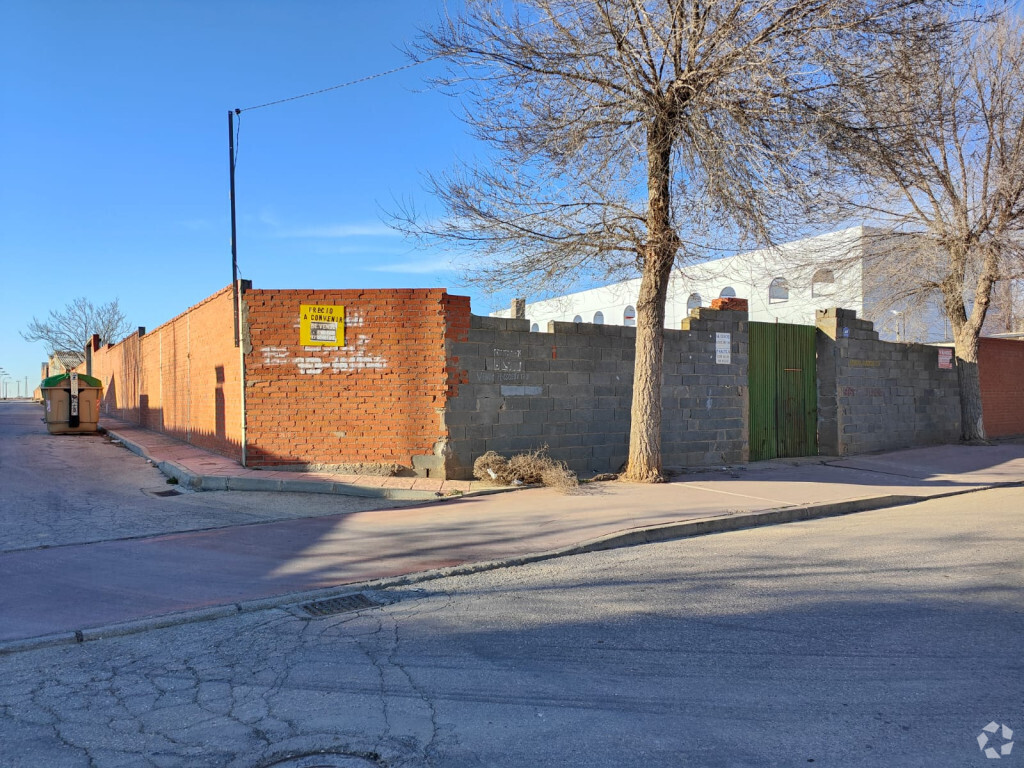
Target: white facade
x=786, y=284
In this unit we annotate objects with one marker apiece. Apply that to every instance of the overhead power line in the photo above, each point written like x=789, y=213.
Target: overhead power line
x=340, y=85
x=410, y=65
x=233, y=143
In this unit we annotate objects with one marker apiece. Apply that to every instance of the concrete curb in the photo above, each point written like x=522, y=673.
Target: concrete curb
x=188, y=479
x=743, y=521
x=618, y=540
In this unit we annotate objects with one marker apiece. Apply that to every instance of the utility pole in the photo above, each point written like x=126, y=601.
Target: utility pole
x=234, y=245
x=234, y=269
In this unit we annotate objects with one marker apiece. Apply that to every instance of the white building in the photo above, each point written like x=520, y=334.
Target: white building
x=786, y=284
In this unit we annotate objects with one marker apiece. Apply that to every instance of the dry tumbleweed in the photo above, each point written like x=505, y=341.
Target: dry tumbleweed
x=531, y=468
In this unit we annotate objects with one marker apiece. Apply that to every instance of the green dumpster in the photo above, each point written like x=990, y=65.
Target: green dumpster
x=72, y=403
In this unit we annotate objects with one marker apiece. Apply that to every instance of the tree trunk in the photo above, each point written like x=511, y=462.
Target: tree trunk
x=644, y=464
x=972, y=428
x=965, y=340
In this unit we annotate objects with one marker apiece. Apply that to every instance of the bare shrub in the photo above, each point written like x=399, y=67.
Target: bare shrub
x=530, y=468
x=492, y=468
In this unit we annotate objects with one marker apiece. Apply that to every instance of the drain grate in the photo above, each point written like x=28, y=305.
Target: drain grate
x=334, y=605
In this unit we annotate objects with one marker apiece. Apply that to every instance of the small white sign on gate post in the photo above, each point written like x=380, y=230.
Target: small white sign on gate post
x=723, y=348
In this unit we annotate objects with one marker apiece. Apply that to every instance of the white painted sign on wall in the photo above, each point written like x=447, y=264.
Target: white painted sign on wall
x=723, y=348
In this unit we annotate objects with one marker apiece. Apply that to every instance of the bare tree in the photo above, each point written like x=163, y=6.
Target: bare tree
x=73, y=326
x=1004, y=315
x=637, y=134
x=937, y=146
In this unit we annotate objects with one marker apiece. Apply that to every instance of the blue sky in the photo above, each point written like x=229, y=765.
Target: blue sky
x=114, y=159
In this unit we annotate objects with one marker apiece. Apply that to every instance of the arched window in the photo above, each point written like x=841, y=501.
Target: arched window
x=599, y=318
x=823, y=283
x=535, y=328
x=577, y=319
x=778, y=290
x=629, y=316
x=727, y=293
x=694, y=301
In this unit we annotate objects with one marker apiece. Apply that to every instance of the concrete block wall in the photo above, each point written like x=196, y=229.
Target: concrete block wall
x=1001, y=368
x=712, y=405
x=182, y=378
x=570, y=388
x=875, y=395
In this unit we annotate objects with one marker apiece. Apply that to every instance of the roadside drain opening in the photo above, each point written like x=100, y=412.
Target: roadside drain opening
x=335, y=605
x=161, y=493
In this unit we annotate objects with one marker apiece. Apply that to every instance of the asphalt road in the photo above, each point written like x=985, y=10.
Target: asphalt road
x=74, y=489
x=886, y=638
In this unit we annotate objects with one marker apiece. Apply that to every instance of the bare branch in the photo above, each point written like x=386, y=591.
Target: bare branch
x=72, y=327
x=936, y=145
x=656, y=128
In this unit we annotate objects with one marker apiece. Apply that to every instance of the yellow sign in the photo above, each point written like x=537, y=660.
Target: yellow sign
x=321, y=326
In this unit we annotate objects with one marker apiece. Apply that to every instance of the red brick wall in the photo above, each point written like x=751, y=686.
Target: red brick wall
x=457, y=312
x=1001, y=368
x=733, y=304
x=378, y=400
x=181, y=378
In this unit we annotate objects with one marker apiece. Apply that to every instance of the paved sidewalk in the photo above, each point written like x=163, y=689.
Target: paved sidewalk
x=81, y=592
x=205, y=471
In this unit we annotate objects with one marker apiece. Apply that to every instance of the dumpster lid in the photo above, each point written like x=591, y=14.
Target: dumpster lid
x=83, y=380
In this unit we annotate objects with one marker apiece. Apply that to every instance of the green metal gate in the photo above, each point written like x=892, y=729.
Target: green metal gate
x=783, y=391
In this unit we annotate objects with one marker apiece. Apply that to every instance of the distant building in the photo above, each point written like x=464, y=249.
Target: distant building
x=852, y=268
x=62, y=361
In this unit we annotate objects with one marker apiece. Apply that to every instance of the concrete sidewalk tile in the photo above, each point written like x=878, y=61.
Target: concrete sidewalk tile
x=171, y=452
x=307, y=486
x=316, y=477
x=370, y=481
x=347, y=479
x=274, y=474
x=218, y=472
